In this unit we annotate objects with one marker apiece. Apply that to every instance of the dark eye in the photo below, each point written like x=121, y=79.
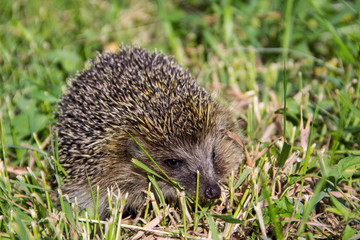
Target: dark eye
x=173, y=163
x=213, y=155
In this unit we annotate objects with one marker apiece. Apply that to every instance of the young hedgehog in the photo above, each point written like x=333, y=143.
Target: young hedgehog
x=151, y=97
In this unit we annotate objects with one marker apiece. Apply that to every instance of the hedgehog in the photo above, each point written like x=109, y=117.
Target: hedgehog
x=135, y=98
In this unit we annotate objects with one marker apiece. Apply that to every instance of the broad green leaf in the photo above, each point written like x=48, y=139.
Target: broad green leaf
x=349, y=166
x=284, y=154
x=349, y=233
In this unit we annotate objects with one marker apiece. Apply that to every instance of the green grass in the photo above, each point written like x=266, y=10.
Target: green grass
x=305, y=178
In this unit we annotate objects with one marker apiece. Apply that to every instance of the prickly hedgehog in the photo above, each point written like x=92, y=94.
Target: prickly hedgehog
x=151, y=97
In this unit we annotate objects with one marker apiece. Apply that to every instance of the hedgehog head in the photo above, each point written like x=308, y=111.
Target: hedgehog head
x=212, y=154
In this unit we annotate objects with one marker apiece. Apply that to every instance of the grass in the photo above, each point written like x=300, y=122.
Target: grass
x=298, y=181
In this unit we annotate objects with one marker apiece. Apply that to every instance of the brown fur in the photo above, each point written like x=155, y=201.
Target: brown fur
x=162, y=106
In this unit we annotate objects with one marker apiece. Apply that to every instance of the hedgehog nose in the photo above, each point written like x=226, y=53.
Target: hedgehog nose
x=213, y=191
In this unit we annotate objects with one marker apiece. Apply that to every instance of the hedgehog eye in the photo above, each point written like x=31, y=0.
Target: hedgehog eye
x=213, y=155
x=173, y=163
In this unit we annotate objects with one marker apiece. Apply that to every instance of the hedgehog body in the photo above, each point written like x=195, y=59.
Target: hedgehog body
x=151, y=97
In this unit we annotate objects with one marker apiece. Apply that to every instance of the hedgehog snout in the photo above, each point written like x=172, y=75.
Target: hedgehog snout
x=213, y=191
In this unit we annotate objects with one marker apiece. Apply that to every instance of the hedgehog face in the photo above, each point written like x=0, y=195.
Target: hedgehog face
x=213, y=157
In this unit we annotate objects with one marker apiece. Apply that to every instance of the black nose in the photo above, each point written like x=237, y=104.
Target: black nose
x=213, y=191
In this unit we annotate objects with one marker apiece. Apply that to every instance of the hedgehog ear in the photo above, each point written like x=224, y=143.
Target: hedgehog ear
x=134, y=149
